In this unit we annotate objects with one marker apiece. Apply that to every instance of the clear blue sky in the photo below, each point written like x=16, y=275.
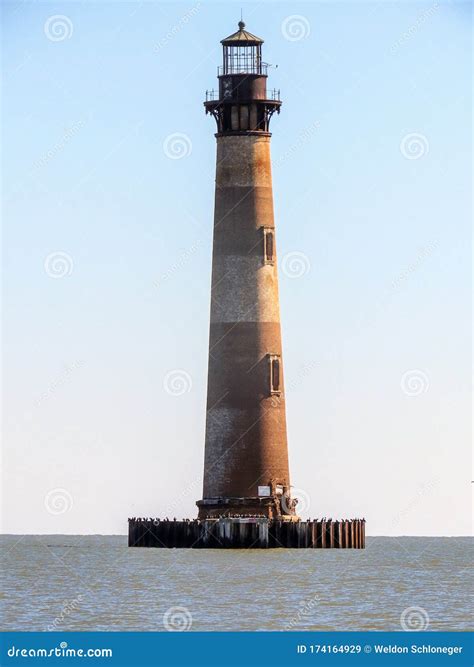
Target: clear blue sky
x=376, y=331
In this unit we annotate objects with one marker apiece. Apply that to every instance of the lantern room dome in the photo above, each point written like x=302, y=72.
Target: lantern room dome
x=241, y=38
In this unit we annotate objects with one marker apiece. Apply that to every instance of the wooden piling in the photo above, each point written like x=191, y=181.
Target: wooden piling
x=314, y=534
x=339, y=534
x=323, y=534
x=331, y=534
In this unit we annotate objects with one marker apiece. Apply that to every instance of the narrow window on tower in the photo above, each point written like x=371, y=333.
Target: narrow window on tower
x=275, y=374
x=268, y=245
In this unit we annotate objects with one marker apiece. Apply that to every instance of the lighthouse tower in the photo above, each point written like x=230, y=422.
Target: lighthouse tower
x=246, y=473
x=246, y=468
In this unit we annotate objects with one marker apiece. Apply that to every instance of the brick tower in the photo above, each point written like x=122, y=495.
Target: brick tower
x=246, y=454
x=246, y=500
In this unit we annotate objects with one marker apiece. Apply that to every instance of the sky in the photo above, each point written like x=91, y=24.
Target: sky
x=108, y=190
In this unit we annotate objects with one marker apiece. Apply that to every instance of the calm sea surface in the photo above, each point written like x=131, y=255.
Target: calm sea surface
x=97, y=583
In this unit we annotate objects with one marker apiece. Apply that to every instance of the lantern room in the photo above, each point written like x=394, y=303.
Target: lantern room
x=242, y=53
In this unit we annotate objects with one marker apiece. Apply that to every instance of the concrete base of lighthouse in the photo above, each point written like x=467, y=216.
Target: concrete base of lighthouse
x=256, y=507
x=246, y=533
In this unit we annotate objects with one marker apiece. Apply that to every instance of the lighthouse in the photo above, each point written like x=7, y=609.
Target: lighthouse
x=246, y=469
x=247, y=500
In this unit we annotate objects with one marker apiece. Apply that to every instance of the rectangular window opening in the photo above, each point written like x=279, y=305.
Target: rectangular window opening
x=268, y=245
x=275, y=374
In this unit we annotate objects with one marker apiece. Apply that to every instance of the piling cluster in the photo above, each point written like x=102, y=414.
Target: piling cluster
x=250, y=532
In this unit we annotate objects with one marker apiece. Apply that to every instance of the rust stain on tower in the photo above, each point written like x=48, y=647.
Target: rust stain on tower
x=246, y=468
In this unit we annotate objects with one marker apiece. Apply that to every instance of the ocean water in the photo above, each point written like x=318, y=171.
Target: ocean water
x=72, y=583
